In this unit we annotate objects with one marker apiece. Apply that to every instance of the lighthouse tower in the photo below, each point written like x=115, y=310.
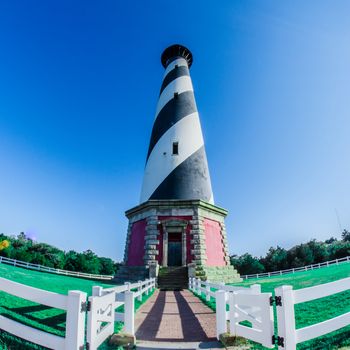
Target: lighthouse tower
x=176, y=165
x=176, y=223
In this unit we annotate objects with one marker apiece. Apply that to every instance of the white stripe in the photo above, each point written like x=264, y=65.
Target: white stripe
x=178, y=85
x=187, y=132
x=178, y=62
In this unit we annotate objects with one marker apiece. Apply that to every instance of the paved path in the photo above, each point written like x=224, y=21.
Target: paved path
x=175, y=317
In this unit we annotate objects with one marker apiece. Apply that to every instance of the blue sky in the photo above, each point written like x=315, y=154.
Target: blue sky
x=79, y=83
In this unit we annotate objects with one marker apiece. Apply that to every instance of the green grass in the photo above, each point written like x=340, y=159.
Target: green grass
x=301, y=279
x=314, y=311
x=39, y=316
x=35, y=315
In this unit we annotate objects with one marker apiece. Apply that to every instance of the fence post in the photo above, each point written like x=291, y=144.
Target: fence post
x=286, y=317
x=198, y=286
x=96, y=291
x=222, y=284
x=148, y=285
x=190, y=283
x=139, y=289
x=207, y=291
x=129, y=310
x=255, y=288
x=75, y=321
x=221, y=325
x=127, y=285
x=232, y=313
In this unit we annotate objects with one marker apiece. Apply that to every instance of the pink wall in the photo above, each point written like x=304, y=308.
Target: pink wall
x=137, y=243
x=213, y=242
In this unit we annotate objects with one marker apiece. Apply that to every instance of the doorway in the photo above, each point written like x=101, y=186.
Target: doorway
x=174, y=249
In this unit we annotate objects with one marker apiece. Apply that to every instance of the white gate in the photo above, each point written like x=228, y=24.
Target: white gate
x=100, y=319
x=254, y=308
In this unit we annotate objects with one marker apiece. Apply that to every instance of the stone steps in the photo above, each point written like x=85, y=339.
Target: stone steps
x=173, y=278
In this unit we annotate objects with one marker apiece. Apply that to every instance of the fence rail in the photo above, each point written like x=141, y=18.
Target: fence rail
x=298, y=269
x=286, y=317
x=208, y=288
x=100, y=307
x=75, y=319
x=38, y=267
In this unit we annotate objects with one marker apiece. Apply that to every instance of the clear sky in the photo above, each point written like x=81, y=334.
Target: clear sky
x=79, y=82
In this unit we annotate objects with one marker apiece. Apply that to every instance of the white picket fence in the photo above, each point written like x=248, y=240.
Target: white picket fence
x=38, y=267
x=298, y=269
x=75, y=319
x=245, y=304
x=249, y=304
x=286, y=317
x=100, y=308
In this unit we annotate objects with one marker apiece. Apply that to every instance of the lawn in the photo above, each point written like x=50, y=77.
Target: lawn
x=35, y=315
x=314, y=311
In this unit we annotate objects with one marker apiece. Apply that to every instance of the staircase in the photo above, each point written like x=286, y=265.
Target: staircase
x=173, y=278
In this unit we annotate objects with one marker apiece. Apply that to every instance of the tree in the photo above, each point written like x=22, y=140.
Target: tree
x=91, y=262
x=330, y=240
x=275, y=259
x=339, y=249
x=71, y=262
x=22, y=248
x=345, y=236
x=246, y=264
x=107, y=266
x=319, y=251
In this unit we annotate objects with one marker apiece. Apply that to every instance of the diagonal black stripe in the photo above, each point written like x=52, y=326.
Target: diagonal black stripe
x=175, y=73
x=176, y=109
x=189, y=180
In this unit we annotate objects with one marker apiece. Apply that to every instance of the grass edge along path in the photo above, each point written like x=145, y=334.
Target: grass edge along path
x=310, y=312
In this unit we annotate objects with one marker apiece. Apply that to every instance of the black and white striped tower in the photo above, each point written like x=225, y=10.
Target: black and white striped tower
x=176, y=165
x=177, y=223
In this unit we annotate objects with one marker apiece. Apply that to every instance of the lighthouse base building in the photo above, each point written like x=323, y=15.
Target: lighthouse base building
x=169, y=233
x=176, y=226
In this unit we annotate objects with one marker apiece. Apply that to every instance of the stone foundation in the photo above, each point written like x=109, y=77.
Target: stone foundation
x=200, y=230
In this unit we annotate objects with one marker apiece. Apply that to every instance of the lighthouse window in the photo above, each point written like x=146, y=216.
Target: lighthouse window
x=176, y=95
x=175, y=148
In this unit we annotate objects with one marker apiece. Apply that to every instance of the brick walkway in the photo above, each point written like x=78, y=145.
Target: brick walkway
x=175, y=316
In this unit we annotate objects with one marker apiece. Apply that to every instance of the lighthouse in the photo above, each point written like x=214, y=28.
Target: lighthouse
x=176, y=226
x=176, y=165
